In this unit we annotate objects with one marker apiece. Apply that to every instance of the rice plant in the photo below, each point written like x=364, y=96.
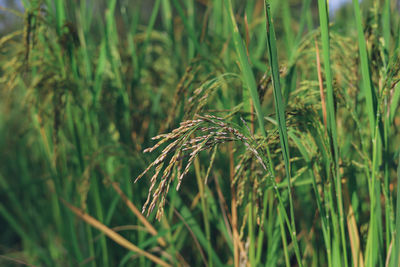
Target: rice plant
x=199, y=133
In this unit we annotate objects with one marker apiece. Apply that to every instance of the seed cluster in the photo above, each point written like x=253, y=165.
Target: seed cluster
x=186, y=142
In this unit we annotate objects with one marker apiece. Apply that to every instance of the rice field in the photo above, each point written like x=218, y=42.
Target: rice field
x=199, y=133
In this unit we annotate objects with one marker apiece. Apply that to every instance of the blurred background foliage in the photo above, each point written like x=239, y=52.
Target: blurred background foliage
x=85, y=85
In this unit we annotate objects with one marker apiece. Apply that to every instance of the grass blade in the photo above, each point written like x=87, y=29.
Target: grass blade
x=396, y=250
x=366, y=76
x=331, y=118
x=280, y=116
x=248, y=75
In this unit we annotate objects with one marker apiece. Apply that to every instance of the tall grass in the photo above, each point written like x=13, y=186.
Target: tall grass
x=190, y=133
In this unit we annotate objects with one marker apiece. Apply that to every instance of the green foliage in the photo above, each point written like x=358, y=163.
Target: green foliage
x=245, y=169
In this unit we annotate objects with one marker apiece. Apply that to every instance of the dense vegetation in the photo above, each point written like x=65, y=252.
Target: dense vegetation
x=278, y=124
